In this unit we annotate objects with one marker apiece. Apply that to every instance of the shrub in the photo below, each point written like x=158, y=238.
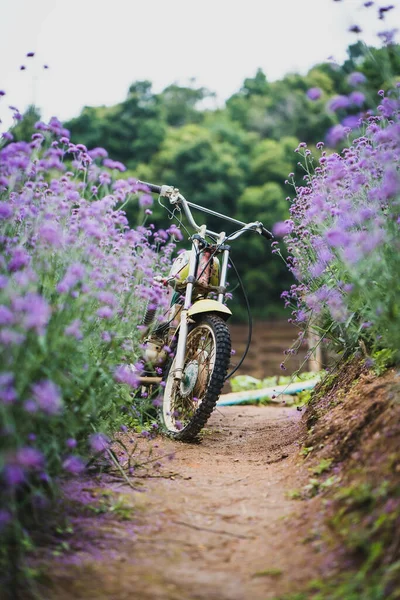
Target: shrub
x=344, y=240
x=74, y=281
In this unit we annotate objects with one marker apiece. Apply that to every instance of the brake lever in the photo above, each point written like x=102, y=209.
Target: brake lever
x=263, y=231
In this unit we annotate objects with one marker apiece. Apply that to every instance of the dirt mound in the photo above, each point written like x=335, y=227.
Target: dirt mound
x=353, y=456
x=271, y=499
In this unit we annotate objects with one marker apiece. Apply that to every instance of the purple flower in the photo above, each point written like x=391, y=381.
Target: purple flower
x=314, y=93
x=73, y=465
x=19, y=259
x=389, y=107
x=104, y=178
x=50, y=233
x=8, y=337
x=71, y=443
x=37, y=312
x=174, y=231
x=336, y=134
x=145, y=200
x=14, y=475
x=6, y=316
x=74, y=329
x=390, y=183
x=6, y=379
x=283, y=228
x=8, y=136
x=357, y=98
x=72, y=195
x=352, y=254
x=29, y=458
x=5, y=519
x=316, y=269
x=114, y=164
x=105, y=312
x=98, y=153
x=107, y=298
x=30, y=54
x=30, y=406
x=8, y=394
x=356, y=78
x=99, y=442
x=338, y=102
x=351, y=121
x=74, y=275
x=336, y=237
x=384, y=9
x=125, y=374
x=48, y=397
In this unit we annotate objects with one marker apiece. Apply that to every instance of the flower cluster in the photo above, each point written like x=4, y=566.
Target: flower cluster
x=346, y=107
x=343, y=237
x=74, y=282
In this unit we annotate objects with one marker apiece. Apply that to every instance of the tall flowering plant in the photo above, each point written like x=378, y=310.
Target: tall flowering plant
x=343, y=237
x=74, y=282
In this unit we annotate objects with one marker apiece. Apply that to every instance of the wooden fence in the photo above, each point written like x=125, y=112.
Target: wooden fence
x=270, y=339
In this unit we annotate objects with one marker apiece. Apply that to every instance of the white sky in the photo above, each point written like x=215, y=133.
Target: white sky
x=96, y=48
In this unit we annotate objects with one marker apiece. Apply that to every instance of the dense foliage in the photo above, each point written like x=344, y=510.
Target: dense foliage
x=344, y=240
x=74, y=281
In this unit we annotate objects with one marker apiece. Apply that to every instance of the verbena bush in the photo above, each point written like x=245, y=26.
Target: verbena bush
x=343, y=237
x=74, y=282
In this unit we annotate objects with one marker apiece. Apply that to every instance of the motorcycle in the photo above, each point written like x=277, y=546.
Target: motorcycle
x=192, y=350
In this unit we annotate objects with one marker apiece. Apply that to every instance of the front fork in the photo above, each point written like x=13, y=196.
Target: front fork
x=185, y=320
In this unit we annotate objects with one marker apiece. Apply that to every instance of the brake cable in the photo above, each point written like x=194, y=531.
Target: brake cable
x=250, y=322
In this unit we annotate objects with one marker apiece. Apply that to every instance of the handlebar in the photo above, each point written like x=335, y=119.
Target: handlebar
x=175, y=197
x=156, y=189
x=267, y=234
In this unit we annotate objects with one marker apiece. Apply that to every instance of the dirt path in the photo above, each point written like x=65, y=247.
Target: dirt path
x=222, y=527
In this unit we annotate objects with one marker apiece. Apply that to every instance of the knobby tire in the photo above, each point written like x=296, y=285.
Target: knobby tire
x=191, y=430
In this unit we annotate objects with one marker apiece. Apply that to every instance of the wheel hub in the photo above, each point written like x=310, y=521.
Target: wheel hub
x=189, y=378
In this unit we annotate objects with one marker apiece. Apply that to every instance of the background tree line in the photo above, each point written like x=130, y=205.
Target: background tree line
x=234, y=159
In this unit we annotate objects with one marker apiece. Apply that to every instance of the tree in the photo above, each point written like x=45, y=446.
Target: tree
x=180, y=104
x=131, y=131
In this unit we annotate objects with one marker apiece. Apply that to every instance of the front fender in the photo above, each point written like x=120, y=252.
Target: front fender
x=206, y=306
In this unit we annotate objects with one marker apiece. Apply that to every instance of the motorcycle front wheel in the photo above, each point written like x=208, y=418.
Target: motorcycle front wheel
x=189, y=402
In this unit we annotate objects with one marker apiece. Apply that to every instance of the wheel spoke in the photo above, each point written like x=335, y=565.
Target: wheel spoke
x=200, y=348
x=188, y=402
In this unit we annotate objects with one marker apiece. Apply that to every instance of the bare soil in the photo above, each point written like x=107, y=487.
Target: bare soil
x=216, y=523
x=220, y=520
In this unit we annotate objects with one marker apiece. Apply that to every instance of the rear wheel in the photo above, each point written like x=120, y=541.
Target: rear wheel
x=189, y=402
